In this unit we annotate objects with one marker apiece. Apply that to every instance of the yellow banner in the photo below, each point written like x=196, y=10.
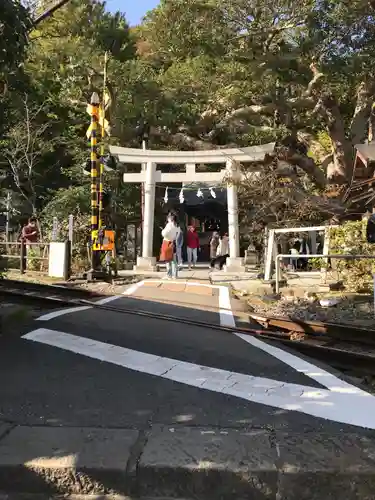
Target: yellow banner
x=103, y=122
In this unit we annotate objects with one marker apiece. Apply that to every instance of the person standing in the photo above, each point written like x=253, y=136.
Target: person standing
x=168, y=247
x=30, y=232
x=223, y=248
x=214, y=243
x=222, y=253
x=30, y=236
x=303, y=264
x=179, y=244
x=294, y=251
x=192, y=244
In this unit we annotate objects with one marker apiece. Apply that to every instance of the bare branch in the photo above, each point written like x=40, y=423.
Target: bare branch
x=77, y=102
x=314, y=82
x=268, y=109
x=274, y=196
x=24, y=149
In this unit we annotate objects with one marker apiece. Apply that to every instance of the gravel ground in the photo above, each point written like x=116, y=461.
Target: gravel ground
x=351, y=310
x=117, y=287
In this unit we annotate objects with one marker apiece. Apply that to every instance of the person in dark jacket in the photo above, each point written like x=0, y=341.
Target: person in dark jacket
x=192, y=244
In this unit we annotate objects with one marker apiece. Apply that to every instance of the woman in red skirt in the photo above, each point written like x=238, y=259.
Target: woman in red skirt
x=168, y=247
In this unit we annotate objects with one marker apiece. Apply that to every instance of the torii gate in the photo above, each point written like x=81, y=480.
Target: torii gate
x=149, y=175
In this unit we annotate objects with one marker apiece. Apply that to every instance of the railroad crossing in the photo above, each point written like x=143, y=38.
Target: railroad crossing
x=99, y=400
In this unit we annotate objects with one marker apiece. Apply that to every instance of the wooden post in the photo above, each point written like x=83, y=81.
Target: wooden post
x=68, y=261
x=71, y=229
x=23, y=258
x=55, y=224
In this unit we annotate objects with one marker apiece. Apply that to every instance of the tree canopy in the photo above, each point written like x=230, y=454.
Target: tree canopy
x=15, y=23
x=203, y=74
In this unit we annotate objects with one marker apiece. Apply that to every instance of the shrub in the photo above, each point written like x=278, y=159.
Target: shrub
x=316, y=263
x=350, y=239
x=33, y=262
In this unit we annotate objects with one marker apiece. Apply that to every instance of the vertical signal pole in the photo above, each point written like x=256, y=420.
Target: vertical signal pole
x=102, y=118
x=94, y=174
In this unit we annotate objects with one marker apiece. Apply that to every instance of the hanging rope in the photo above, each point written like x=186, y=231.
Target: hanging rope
x=199, y=192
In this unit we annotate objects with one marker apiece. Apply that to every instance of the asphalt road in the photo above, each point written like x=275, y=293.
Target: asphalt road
x=54, y=386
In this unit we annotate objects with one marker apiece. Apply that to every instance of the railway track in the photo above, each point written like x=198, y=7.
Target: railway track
x=341, y=332
x=346, y=348
x=49, y=294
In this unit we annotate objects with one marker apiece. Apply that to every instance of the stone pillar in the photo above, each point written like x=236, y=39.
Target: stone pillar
x=234, y=262
x=147, y=261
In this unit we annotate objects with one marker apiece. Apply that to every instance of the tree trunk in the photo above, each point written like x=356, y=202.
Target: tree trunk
x=359, y=124
x=310, y=168
x=294, y=152
x=340, y=171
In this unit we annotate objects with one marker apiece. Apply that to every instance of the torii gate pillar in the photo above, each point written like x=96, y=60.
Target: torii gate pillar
x=147, y=261
x=234, y=262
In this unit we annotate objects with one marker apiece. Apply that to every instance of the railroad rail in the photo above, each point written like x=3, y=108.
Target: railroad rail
x=49, y=294
x=353, y=351
x=338, y=331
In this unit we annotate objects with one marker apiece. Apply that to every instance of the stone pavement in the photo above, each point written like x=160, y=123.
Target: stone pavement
x=97, y=401
x=186, y=462
x=201, y=273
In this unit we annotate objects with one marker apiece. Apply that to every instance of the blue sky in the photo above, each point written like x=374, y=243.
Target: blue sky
x=134, y=9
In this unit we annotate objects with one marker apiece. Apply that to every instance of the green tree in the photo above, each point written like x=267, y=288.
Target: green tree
x=24, y=149
x=275, y=65
x=65, y=64
x=15, y=23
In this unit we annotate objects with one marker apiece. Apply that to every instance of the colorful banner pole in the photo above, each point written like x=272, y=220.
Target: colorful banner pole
x=94, y=173
x=102, y=130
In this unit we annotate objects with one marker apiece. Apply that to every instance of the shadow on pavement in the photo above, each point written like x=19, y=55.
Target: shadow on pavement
x=176, y=441
x=247, y=466
x=211, y=468
x=40, y=458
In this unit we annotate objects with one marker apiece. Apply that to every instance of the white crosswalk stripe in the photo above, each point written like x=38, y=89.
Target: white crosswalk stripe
x=339, y=402
x=345, y=403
